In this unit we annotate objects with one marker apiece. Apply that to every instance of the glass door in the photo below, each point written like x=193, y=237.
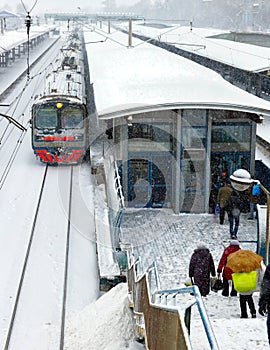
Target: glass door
x=149, y=180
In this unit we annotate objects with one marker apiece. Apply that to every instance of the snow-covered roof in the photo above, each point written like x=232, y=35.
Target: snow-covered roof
x=12, y=39
x=142, y=78
x=5, y=13
x=198, y=40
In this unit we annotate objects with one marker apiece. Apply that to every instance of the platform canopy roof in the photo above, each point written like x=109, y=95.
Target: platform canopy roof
x=7, y=14
x=143, y=78
x=208, y=42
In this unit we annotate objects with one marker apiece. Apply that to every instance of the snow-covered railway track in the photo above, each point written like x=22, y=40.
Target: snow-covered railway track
x=39, y=307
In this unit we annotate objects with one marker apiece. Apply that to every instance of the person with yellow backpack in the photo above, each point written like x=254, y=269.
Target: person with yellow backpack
x=245, y=283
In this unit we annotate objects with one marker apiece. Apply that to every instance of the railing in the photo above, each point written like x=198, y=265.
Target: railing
x=267, y=225
x=159, y=320
x=115, y=198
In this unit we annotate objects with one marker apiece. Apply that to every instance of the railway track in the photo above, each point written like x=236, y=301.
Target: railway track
x=21, y=93
x=39, y=288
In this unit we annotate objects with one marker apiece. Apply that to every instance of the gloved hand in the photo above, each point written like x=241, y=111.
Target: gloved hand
x=263, y=308
x=188, y=282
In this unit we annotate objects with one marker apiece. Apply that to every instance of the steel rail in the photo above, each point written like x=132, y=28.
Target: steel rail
x=64, y=299
x=26, y=259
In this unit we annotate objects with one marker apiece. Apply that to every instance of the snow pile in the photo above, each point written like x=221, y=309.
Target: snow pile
x=106, y=324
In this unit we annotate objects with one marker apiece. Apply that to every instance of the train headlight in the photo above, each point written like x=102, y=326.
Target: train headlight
x=59, y=105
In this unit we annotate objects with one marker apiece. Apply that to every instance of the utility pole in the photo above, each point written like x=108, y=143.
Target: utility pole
x=2, y=25
x=130, y=32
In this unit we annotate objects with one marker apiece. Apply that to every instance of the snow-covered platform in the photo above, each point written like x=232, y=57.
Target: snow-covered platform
x=14, y=44
x=169, y=239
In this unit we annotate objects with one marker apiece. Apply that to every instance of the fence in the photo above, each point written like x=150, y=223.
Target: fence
x=163, y=324
x=264, y=226
x=115, y=198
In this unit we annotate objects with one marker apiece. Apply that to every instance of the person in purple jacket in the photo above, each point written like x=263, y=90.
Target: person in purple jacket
x=201, y=266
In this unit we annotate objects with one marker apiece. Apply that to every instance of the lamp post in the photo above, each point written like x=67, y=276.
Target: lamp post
x=241, y=180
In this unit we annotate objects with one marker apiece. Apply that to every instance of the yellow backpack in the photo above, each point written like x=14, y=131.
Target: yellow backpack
x=244, y=281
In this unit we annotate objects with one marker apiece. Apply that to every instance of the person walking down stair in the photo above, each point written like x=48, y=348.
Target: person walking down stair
x=224, y=194
x=254, y=194
x=200, y=267
x=226, y=271
x=245, y=297
x=233, y=208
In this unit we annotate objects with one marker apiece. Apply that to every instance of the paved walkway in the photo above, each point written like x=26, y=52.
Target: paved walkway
x=169, y=239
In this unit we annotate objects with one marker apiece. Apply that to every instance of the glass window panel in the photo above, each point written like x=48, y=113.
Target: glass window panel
x=161, y=177
x=228, y=137
x=71, y=117
x=193, y=137
x=138, y=187
x=194, y=117
x=193, y=202
x=193, y=157
x=46, y=118
x=192, y=175
x=160, y=134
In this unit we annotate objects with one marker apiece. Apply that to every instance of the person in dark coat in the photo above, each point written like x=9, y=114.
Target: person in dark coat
x=233, y=209
x=226, y=271
x=201, y=265
x=264, y=300
x=224, y=194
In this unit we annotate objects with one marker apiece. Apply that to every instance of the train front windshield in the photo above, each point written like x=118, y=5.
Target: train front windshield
x=46, y=118
x=51, y=117
x=71, y=118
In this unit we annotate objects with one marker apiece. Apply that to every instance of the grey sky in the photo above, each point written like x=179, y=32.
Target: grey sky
x=69, y=5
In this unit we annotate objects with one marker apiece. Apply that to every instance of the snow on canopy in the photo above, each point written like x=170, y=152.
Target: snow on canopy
x=143, y=78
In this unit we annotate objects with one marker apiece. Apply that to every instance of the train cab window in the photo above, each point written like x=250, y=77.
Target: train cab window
x=72, y=118
x=46, y=118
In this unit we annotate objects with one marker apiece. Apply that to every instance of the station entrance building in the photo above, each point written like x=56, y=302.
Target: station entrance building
x=177, y=128
x=178, y=158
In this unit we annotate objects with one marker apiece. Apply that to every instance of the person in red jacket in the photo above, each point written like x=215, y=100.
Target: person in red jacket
x=227, y=272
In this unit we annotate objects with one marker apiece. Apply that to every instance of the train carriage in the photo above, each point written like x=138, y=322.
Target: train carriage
x=59, y=117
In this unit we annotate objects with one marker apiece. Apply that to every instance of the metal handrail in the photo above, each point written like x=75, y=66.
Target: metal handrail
x=154, y=293
x=267, y=223
x=201, y=308
x=118, y=186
